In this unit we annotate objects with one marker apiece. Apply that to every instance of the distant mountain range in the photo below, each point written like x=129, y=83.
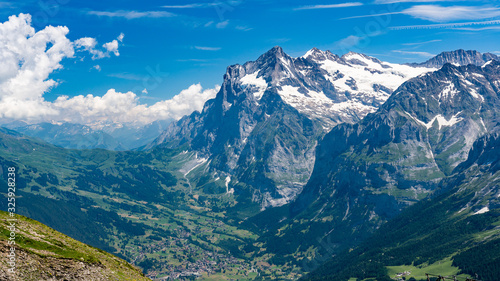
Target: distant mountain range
x=77, y=136
x=458, y=57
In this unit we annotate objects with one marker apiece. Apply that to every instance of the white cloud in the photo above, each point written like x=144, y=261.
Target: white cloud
x=437, y=13
x=349, y=41
x=187, y=101
x=495, y=27
x=112, y=47
x=371, y=15
x=29, y=57
x=4, y=4
x=227, y=4
x=132, y=14
x=222, y=24
x=207, y=48
x=127, y=76
x=421, y=54
x=26, y=59
x=243, y=27
x=409, y=1
x=422, y=43
x=330, y=6
x=455, y=25
x=88, y=44
x=191, y=6
x=97, y=67
x=145, y=91
x=34, y=110
x=126, y=107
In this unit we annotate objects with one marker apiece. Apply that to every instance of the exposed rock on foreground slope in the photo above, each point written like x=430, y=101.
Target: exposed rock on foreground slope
x=45, y=254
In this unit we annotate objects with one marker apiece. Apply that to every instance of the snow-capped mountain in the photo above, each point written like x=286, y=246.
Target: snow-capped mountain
x=263, y=125
x=324, y=86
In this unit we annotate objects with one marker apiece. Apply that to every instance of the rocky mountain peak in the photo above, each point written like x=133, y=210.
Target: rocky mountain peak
x=273, y=54
x=318, y=55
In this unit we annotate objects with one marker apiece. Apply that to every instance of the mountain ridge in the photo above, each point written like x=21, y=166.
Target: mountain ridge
x=460, y=57
x=230, y=129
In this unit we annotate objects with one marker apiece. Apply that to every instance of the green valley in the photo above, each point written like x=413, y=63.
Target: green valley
x=141, y=206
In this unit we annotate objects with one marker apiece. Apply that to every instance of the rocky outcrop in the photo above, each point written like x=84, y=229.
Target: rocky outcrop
x=42, y=253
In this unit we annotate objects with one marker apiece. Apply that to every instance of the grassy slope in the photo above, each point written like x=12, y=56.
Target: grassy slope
x=444, y=268
x=42, y=250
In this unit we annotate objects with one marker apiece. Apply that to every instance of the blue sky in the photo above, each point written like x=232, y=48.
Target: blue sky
x=169, y=45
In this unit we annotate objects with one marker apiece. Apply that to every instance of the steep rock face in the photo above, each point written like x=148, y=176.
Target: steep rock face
x=366, y=173
x=263, y=125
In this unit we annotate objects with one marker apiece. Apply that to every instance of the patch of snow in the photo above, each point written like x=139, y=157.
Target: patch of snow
x=346, y=211
x=259, y=83
x=477, y=75
x=447, y=123
x=448, y=92
x=488, y=62
x=226, y=105
x=286, y=63
x=482, y=123
x=468, y=82
x=442, y=122
x=373, y=215
x=193, y=164
x=228, y=180
x=482, y=211
x=474, y=93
